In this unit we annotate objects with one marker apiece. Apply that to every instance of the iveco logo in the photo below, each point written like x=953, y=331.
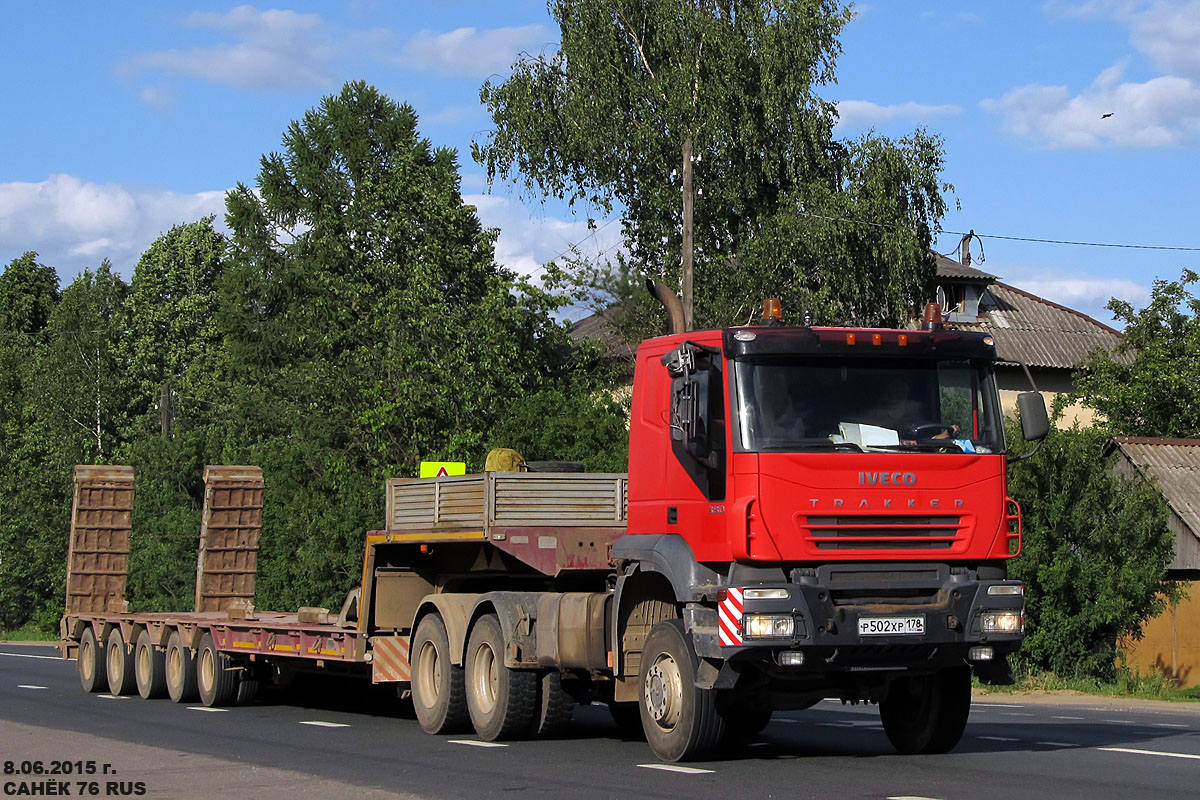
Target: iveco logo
x=887, y=479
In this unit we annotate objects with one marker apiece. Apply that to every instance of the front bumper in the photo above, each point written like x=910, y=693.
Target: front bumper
x=856, y=618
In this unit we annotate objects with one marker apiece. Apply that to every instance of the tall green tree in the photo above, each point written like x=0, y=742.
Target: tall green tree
x=1150, y=385
x=640, y=92
x=1095, y=549
x=369, y=328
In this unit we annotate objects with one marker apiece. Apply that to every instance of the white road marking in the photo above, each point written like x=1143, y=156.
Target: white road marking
x=112, y=697
x=476, y=743
x=1138, y=752
x=676, y=768
x=1016, y=714
x=910, y=797
x=27, y=655
x=997, y=705
x=322, y=724
x=787, y=721
x=1170, y=725
x=1058, y=744
x=1073, y=718
x=1118, y=721
x=30, y=686
x=758, y=744
x=204, y=708
x=999, y=738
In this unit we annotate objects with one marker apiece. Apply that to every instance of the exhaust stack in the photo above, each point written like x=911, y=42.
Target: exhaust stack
x=671, y=303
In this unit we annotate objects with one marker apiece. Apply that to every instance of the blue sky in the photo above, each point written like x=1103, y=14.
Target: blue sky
x=123, y=119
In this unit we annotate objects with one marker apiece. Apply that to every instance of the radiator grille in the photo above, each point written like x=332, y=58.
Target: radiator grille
x=876, y=532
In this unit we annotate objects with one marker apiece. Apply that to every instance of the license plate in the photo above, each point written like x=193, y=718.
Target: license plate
x=891, y=626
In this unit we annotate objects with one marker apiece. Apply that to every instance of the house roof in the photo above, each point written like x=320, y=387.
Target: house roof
x=598, y=326
x=1036, y=331
x=1174, y=465
x=948, y=268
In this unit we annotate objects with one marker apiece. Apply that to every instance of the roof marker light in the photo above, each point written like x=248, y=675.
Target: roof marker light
x=904, y=340
x=851, y=338
x=876, y=339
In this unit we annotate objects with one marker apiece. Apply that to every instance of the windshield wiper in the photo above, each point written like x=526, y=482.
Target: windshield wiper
x=922, y=447
x=806, y=445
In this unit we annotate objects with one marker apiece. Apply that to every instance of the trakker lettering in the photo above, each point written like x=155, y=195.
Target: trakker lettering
x=887, y=478
x=887, y=503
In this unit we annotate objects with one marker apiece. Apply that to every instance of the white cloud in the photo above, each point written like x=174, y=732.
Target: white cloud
x=1163, y=111
x=74, y=223
x=472, y=53
x=527, y=243
x=864, y=114
x=272, y=50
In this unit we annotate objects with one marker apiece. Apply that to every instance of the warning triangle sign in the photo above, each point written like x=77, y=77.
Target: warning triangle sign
x=442, y=469
x=442, y=472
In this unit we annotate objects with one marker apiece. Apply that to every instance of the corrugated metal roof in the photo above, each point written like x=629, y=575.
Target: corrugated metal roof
x=1174, y=464
x=1038, y=332
x=948, y=268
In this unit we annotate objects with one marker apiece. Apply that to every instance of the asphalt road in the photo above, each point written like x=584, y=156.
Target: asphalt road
x=331, y=742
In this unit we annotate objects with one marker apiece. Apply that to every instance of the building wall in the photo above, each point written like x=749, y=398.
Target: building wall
x=1050, y=383
x=1169, y=646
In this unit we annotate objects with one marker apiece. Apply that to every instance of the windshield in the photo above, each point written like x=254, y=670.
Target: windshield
x=799, y=403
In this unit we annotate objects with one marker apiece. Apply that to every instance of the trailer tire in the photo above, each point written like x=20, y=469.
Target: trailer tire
x=216, y=679
x=119, y=665
x=555, y=707
x=680, y=719
x=181, y=670
x=149, y=668
x=927, y=714
x=438, y=687
x=247, y=691
x=502, y=701
x=91, y=663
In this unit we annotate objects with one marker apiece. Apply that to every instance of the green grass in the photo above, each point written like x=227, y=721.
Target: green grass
x=1126, y=684
x=28, y=633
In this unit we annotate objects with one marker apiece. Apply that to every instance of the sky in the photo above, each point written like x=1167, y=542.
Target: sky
x=1068, y=120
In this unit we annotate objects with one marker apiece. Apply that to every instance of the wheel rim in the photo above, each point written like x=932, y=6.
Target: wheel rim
x=208, y=669
x=114, y=657
x=86, y=659
x=174, y=665
x=485, y=677
x=663, y=691
x=429, y=674
x=142, y=667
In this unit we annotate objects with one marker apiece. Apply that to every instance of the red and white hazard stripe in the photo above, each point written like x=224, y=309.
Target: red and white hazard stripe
x=729, y=613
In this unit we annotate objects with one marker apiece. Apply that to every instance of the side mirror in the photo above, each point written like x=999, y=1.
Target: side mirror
x=1035, y=423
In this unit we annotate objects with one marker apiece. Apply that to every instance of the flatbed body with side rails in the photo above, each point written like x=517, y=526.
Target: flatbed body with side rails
x=808, y=513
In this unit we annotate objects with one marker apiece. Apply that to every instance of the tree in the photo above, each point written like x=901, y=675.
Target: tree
x=1150, y=385
x=368, y=328
x=1095, y=548
x=611, y=118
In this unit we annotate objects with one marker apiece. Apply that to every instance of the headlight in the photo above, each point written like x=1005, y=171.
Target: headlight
x=768, y=626
x=1002, y=621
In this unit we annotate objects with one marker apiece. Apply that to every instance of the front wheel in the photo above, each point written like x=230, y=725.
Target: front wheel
x=680, y=719
x=927, y=714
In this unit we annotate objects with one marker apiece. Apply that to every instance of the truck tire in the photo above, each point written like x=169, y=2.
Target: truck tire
x=502, y=701
x=247, y=691
x=438, y=688
x=181, y=670
x=91, y=663
x=745, y=721
x=680, y=719
x=119, y=665
x=554, y=707
x=927, y=714
x=216, y=679
x=149, y=668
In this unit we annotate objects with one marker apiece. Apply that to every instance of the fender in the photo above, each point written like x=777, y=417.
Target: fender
x=671, y=556
x=456, y=612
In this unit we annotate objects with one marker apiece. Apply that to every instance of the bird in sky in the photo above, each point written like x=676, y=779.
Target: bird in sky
x=1106, y=116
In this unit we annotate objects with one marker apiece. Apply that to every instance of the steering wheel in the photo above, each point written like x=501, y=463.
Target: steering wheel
x=932, y=430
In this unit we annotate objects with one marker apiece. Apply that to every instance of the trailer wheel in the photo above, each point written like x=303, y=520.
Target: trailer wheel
x=121, y=680
x=215, y=677
x=91, y=663
x=927, y=714
x=247, y=691
x=554, y=707
x=681, y=720
x=438, y=688
x=502, y=701
x=149, y=667
x=181, y=670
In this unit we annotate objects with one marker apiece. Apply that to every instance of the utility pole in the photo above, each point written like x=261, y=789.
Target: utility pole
x=688, y=318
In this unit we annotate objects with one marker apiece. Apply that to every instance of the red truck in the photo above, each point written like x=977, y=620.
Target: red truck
x=809, y=513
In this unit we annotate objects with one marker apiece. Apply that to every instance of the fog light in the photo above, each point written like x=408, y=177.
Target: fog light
x=791, y=658
x=1006, y=590
x=980, y=654
x=1002, y=621
x=768, y=626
